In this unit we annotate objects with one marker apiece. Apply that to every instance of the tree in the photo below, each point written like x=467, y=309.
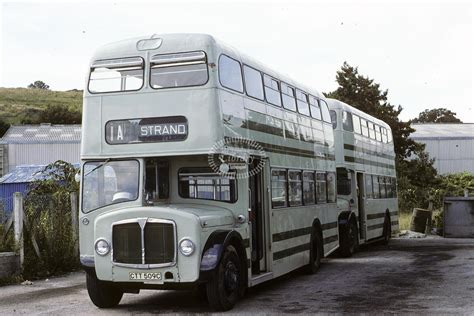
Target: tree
x=57, y=114
x=4, y=126
x=439, y=115
x=366, y=95
x=38, y=85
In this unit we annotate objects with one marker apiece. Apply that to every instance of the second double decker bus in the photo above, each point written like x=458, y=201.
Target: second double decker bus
x=366, y=178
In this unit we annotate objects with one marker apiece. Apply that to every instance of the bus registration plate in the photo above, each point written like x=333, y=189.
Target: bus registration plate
x=145, y=276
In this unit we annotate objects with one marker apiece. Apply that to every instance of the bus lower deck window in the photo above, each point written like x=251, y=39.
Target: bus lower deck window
x=204, y=184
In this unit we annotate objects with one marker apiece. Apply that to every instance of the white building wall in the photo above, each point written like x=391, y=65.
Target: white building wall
x=452, y=155
x=42, y=154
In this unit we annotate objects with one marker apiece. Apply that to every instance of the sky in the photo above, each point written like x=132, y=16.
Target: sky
x=421, y=51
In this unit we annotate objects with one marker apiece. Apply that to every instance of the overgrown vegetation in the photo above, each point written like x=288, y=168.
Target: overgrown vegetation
x=30, y=106
x=48, y=212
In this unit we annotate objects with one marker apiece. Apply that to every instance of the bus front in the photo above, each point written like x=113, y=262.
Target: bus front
x=149, y=200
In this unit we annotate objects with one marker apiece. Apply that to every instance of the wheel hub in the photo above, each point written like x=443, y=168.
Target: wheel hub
x=231, y=277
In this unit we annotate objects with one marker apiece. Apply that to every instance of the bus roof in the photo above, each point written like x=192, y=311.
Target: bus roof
x=184, y=42
x=339, y=105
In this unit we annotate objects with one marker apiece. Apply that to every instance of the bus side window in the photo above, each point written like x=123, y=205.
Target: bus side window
x=364, y=128
x=347, y=123
x=308, y=188
x=315, y=109
x=356, y=123
x=288, y=97
x=394, y=187
x=343, y=182
x=376, y=187
x=371, y=130
x=272, y=90
x=325, y=111
x=368, y=186
x=230, y=74
x=389, y=136
x=384, y=135
x=302, y=102
x=295, y=194
x=331, y=186
x=383, y=191
x=253, y=83
x=279, y=188
x=321, y=192
x=378, y=133
x=333, y=116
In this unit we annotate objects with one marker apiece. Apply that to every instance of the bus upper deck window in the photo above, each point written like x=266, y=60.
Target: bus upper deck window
x=230, y=74
x=178, y=70
x=315, y=109
x=347, y=121
x=272, y=90
x=115, y=75
x=325, y=111
x=356, y=124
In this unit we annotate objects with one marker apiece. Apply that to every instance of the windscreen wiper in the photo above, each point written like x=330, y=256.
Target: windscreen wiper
x=98, y=166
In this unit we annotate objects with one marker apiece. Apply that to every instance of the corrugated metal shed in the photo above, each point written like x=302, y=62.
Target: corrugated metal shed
x=41, y=145
x=44, y=134
x=451, y=144
x=16, y=181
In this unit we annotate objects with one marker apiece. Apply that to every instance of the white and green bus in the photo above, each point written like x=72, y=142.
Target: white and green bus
x=366, y=178
x=202, y=168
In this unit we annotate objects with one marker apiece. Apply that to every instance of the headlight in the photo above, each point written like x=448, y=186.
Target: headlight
x=186, y=247
x=102, y=247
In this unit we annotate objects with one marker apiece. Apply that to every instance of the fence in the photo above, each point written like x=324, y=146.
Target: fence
x=48, y=225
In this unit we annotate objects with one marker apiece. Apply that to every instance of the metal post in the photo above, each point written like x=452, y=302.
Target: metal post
x=18, y=224
x=74, y=221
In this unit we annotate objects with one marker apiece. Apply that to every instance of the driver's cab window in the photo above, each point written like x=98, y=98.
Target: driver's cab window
x=344, y=184
x=156, y=180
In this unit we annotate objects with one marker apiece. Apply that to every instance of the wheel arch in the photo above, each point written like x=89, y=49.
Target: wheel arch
x=217, y=242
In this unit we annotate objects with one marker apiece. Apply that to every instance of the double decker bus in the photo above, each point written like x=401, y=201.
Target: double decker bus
x=202, y=167
x=366, y=178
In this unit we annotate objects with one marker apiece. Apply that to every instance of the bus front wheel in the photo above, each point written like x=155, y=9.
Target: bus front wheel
x=315, y=253
x=223, y=290
x=102, y=294
x=349, y=240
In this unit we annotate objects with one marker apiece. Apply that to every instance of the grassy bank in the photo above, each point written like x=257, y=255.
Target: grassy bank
x=19, y=103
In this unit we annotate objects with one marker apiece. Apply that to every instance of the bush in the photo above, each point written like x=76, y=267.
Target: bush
x=48, y=212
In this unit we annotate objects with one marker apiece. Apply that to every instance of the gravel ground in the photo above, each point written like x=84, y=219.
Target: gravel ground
x=409, y=276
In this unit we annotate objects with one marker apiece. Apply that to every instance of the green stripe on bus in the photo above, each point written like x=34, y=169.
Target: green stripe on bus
x=368, y=162
x=290, y=251
x=367, y=151
x=377, y=226
x=330, y=239
x=288, y=150
x=300, y=232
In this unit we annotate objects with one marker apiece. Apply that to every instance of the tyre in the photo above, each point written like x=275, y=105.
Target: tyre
x=387, y=230
x=315, y=253
x=225, y=286
x=102, y=294
x=349, y=240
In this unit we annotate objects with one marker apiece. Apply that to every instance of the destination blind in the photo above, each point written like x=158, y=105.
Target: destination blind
x=146, y=130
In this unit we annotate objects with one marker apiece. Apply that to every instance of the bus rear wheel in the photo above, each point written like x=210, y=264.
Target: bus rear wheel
x=224, y=288
x=315, y=253
x=349, y=240
x=387, y=230
x=102, y=294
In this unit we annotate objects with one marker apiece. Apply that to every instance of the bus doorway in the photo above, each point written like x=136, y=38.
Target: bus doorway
x=257, y=217
x=361, y=205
